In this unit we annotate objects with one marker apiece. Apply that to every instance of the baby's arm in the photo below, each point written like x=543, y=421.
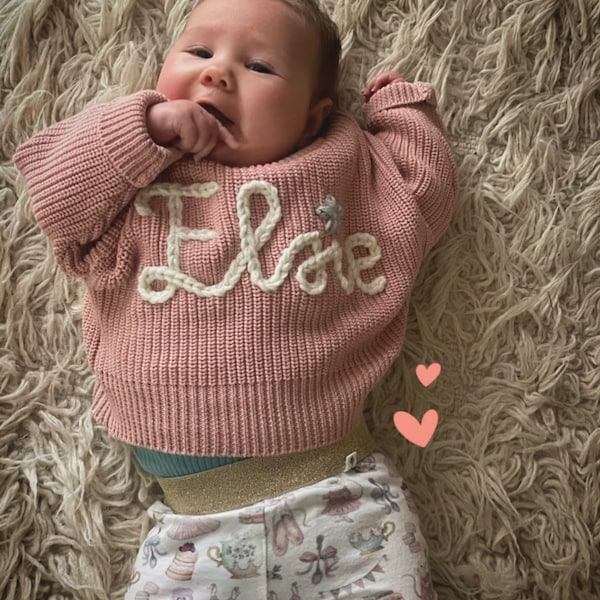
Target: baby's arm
x=83, y=172
x=403, y=116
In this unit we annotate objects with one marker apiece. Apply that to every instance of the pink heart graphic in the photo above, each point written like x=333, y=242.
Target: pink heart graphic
x=427, y=375
x=418, y=433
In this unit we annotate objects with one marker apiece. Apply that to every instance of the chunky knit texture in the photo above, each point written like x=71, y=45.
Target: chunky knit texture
x=242, y=311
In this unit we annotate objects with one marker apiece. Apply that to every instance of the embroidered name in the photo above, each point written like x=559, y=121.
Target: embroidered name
x=311, y=274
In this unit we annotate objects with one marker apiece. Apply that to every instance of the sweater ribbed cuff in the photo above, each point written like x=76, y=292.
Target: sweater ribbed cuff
x=124, y=135
x=399, y=93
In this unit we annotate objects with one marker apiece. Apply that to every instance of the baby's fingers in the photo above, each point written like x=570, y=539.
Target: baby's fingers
x=205, y=132
x=380, y=81
x=227, y=137
x=222, y=134
x=207, y=145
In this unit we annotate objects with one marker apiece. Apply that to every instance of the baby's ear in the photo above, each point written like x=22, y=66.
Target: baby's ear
x=316, y=116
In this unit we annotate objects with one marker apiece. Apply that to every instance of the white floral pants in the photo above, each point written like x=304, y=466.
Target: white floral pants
x=353, y=536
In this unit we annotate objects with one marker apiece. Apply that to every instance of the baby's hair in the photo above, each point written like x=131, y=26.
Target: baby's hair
x=329, y=39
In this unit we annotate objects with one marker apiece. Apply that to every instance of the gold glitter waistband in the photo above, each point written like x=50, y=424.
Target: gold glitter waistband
x=252, y=480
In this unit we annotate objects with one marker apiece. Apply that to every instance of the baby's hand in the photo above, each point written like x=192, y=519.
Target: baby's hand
x=379, y=82
x=185, y=125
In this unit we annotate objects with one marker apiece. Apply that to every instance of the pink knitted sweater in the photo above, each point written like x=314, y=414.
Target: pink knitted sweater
x=242, y=311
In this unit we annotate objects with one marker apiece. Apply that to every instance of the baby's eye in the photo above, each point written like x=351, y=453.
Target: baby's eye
x=201, y=53
x=259, y=67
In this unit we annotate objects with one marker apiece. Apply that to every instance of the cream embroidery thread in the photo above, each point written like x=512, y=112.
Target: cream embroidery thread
x=311, y=274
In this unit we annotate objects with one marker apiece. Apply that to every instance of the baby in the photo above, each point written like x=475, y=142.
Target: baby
x=248, y=253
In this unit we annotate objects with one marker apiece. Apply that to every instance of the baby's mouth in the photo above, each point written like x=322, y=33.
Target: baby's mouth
x=215, y=112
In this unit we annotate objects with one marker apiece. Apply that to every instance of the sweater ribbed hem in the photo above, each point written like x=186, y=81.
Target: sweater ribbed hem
x=311, y=414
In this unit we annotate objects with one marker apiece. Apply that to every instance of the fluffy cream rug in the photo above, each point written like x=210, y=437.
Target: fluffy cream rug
x=508, y=303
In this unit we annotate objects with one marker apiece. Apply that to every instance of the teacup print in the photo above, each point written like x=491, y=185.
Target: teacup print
x=370, y=539
x=242, y=558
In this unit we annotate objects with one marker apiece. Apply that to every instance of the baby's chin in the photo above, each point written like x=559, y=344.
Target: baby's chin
x=251, y=156
x=229, y=157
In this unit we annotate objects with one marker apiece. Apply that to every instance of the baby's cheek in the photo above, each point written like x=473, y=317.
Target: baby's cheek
x=169, y=83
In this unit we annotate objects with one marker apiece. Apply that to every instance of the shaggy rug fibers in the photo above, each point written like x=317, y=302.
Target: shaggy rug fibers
x=507, y=303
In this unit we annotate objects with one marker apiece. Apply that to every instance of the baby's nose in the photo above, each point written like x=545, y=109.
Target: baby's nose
x=216, y=76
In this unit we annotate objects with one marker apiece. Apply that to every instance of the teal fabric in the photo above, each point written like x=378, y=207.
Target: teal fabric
x=161, y=464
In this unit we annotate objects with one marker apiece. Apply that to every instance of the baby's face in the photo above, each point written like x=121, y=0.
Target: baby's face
x=252, y=64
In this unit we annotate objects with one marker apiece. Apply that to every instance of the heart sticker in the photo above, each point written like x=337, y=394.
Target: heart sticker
x=418, y=433
x=427, y=375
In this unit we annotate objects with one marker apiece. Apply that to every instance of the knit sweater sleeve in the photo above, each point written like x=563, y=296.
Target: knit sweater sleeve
x=82, y=173
x=404, y=117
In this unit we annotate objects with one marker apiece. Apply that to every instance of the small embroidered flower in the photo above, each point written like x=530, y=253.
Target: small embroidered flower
x=331, y=213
